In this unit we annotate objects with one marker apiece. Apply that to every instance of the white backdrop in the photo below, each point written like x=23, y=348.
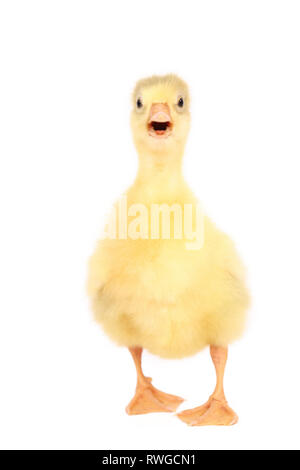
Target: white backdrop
x=67, y=71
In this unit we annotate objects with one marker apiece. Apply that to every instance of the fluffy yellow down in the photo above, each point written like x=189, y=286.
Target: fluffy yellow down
x=155, y=293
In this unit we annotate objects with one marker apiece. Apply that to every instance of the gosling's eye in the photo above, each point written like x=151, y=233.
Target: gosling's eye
x=139, y=103
x=180, y=103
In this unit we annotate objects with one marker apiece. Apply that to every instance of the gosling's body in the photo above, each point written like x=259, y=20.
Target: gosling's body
x=158, y=294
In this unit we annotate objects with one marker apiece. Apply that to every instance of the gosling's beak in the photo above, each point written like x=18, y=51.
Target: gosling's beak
x=160, y=121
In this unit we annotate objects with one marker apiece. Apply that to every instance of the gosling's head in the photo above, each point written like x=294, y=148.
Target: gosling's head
x=160, y=117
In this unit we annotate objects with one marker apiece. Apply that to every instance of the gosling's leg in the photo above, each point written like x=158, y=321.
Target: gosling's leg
x=216, y=410
x=148, y=399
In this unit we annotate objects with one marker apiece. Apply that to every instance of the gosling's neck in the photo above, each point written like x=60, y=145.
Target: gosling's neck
x=160, y=173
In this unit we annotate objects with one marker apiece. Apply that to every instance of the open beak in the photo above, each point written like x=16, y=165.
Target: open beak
x=160, y=122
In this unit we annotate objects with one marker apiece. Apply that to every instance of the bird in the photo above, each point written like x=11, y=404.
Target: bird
x=160, y=288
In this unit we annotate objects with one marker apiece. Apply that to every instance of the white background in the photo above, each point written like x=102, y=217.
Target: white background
x=67, y=70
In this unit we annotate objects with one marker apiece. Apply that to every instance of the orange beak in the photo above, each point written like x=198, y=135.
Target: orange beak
x=160, y=121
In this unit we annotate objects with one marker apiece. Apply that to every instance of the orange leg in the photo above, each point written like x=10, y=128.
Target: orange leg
x=148, y=399
x=216, y=410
